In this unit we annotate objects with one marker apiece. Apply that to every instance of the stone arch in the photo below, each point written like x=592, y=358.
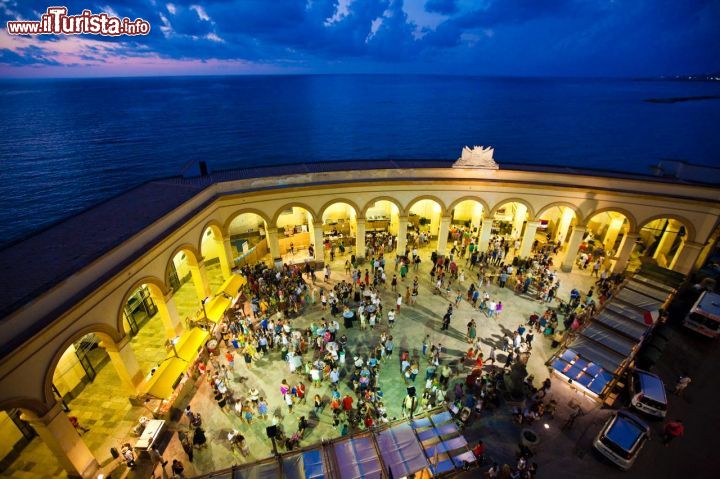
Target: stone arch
x=530, y=209
x=443, y=209
x=105, y=333
x=689, y=227
x=351, y=203
x=153, y=281
x=632, y=222
x=26, y=403
x=184, y=247
x=217, y=229
x=297, y=204
x=372, y=202
x=235, y=214
x=484, y=204
x=578, y=214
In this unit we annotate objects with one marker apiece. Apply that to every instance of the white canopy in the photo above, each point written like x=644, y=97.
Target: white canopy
x=400, y=450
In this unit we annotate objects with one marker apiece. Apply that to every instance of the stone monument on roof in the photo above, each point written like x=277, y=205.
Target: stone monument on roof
x=477, y=157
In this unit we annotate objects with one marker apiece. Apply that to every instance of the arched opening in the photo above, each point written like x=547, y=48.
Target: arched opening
x=339, y=227
x=93, y=379
x=217, y=263
x=22, y=452
x=424, y=223
x=604, y=237
x=555, y=223
x=509, y=219
x=248, y=239
x=296, y=232
x=466, y=218
x=149, y=321
x=187, y=278
x=604, y=232
x=659, y=241
x=382, y=216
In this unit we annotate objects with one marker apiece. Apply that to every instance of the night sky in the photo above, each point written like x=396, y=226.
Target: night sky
x=586, y=38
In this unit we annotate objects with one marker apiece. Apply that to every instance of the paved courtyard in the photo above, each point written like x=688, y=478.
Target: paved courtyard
x=110, y=417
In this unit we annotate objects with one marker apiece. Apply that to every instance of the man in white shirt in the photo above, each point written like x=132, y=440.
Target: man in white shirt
x=491, y=307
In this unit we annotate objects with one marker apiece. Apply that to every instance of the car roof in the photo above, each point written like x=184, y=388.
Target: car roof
x=625, y=430
x=651, y=384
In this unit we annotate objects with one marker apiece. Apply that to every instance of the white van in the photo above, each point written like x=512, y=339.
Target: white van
x=704, y=317
x=648, y=393
x=622, y=438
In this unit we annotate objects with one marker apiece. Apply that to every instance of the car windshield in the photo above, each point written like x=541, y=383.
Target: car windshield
x=651, y=386
x=625, y=432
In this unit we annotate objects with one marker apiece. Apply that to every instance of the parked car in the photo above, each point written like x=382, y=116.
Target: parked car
x=648, y=393
x=622, y=438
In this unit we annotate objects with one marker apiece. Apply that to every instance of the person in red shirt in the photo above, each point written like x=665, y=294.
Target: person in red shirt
x=347, y=403
x=76, y=424
x=479, y=361
x=673, y=429
x=300, y=392
x=368, y=421
x=479, y=451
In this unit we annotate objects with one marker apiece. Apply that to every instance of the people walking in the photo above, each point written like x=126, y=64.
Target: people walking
x=682, y=384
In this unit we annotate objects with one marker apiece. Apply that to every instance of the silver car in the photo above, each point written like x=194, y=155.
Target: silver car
x=622, y=438
x=648, y=393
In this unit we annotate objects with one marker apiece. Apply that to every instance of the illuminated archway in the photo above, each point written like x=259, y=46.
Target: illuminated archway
x=468, y=212
x=605, y=230
x=510, y=216
x=296, y=232
x=21, y=443
x=424, y=217
x=383, y=214
x=248, y=234
x=187, y=278
x=339, y=224
x=218, y=261
x=91, y=367
x=557, y=218
x=660, y=240
x=149, y=317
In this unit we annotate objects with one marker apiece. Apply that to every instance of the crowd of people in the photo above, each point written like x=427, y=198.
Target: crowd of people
x=329, y=378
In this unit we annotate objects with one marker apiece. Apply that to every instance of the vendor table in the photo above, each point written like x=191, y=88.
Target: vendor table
x=152, y=431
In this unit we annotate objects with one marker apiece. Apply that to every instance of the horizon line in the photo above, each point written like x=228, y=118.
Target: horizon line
x=674, y=77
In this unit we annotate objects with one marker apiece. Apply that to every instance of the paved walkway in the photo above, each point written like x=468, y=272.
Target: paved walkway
x=413, y=323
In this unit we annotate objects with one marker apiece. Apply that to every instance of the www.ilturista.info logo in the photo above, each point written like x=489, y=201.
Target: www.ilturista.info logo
x=56, y=21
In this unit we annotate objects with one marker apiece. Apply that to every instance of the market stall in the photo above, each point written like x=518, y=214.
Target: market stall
x=232, y=285
x=602, y=351
x=190, y=343
x=400, y=450
x=216, y=307
x=165, y=378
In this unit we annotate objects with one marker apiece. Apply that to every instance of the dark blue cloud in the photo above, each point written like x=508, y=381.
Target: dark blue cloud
x=579, y=37
x=446, y=7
